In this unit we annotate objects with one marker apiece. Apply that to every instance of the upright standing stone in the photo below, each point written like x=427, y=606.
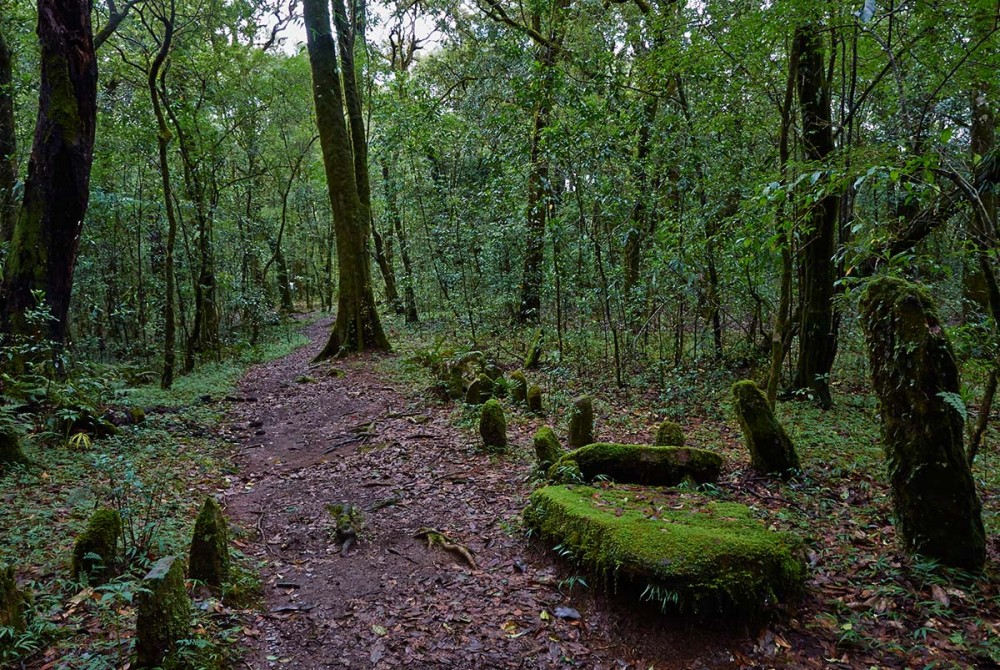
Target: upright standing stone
x=10, y=447
x=518, y=387
x=12, y=604
x=493, y=427
x=669, y=434
x=916, y=380
x=771, y=450
x=164, y=614
x=547, y=448
x=209, y=559
x=581, y=422
x=535, y=399
x=96, y=548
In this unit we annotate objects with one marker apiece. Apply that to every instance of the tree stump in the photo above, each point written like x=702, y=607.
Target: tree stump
x=771, y=451
x=164, y=613
x=917, y=383
x=493, y=427
x=581, y=422
x=209, y=558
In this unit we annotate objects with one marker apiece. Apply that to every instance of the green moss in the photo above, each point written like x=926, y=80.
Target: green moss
x=581, y=422
x=669, y=434
x=163, y=615
x=10, y=448
x=493, y=427
x=690, y=554
x=642, y=464
x=534, y=399
x=96, y=549
x=12, y=603
x=209, y=557
x=136, y=415
x=771, y=450
x=547, y=447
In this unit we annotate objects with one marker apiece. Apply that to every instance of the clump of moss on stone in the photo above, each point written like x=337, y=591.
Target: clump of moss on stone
x=641, y=464
x=534, y=355
x=518, y=387
x=96, y=549
x=916, y=380
x=163, y=615
x=493, y=427
x=691, y=555
x=534, y=399
x=10, y=447
x=581, y=422
x=12, y=604
x=547, y=448
x=209, y=557
x=669, y=434
x=771, y=450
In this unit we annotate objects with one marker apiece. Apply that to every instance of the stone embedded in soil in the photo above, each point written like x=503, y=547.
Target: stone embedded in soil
x=163, y=614
x=209, y=558
x=96, y=548
x=682, y=551
x=640, y=464
x=12, y=604
x=771, y=450
x=581, y=422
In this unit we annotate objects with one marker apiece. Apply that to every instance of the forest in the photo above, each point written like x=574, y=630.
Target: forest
x=499, y=334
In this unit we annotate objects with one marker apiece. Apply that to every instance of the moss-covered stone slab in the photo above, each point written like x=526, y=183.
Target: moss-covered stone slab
x=680, y=550
x=640, y=464
x=96, y=548
x=209, y=558
x=163, y=615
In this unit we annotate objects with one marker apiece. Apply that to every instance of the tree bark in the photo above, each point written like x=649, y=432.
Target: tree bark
x=46, y=236
x=817, y=329
x=357, y=326
x=8, y=145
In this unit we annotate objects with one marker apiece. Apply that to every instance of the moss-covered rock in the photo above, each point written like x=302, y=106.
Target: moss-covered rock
x=771, y=450
x=485, y=388
x=455, y=382
x=669, y=434
x=163, y=615
x=136, y=415
x=535, y=349
x=12, y=604
x=640, y=464
x=534, y=399
x=581, y=422
x=679, y=550
x=96, y=549
x=474, y=394
x=547, y=448
x=493, y=427
x=518, y=387
x=10, y=447
x=917, y=383
x=209, y=557
x=492, y=371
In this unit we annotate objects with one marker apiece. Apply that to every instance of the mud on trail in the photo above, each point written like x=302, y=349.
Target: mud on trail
x=315, y=436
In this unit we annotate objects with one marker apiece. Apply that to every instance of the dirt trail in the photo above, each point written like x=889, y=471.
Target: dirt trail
x=345, y=435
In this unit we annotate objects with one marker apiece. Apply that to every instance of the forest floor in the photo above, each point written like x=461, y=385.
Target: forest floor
x=365, y=432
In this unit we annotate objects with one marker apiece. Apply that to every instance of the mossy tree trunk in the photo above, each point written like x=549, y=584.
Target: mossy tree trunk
x=46, y=235
x=357, y=326
x=916, y=380
x=392, y=205
x=8, y=145
x=817, y=271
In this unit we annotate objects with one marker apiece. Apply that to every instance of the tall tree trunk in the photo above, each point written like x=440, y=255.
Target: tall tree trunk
x=162, y=141
x=8, y=145
x=392, y=205
x=817, y=329
x=46, y=236
x=357, y=326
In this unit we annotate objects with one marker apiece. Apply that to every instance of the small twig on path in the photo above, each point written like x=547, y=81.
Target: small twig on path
x=342, y=443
